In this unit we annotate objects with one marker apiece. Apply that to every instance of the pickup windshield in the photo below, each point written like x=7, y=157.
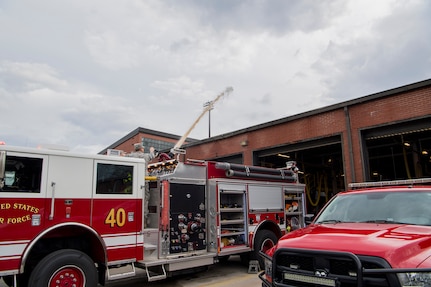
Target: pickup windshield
x=410, y=207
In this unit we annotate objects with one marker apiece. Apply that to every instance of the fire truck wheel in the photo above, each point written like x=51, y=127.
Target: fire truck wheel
x=64, y=268
x=223, y=259
x=264, y=240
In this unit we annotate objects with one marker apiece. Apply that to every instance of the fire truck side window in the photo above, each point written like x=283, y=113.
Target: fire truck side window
x=114, y=179
x=22, y=174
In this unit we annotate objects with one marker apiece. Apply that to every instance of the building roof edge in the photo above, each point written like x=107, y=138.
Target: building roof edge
x=360, y=100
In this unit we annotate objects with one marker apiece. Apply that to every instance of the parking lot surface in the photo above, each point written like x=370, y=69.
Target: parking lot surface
x=227, y=274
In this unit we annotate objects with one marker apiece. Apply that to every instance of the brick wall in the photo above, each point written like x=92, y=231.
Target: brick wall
x=380, y=110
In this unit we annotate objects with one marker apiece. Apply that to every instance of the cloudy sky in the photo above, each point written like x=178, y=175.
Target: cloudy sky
x=86, y=73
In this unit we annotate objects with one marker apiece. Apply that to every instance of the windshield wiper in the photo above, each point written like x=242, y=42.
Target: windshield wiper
x=382, y=221
x=330, y=221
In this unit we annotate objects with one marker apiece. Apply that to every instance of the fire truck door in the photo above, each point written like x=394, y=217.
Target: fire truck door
x=22, y=200
x=117, y=212
x=69, y=182
x=188, y=223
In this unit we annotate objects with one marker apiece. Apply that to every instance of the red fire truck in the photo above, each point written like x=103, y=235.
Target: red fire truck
x=80, y=220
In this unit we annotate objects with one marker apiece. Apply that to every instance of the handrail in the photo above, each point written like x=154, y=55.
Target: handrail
x=51, y=215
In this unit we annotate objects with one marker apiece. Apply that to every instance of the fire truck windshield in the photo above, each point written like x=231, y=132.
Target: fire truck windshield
x=405, y=207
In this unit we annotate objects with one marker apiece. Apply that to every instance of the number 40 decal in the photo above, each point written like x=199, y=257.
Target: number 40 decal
x=116, y=217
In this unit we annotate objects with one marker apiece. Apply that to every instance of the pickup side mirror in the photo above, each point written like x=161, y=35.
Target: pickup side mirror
x=308, y=219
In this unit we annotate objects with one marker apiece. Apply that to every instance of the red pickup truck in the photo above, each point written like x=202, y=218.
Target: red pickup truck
x=378, y=236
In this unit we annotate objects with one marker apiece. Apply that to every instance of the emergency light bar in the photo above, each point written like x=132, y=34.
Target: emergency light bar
x=113, y=152
x=389, y=183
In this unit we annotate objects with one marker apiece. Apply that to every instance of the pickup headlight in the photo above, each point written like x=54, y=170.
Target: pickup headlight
x=268, y=269
x=422, y=279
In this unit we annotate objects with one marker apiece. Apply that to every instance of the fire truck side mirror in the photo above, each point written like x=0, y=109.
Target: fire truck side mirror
x=2, y=167
x=309, y=218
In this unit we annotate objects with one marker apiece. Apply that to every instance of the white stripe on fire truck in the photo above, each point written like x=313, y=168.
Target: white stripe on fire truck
x=10, y=258
x=119, y=234
x=113, y=240
x=121, y=247
x=13, y=248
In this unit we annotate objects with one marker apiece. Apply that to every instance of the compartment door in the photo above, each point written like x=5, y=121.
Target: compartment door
x=187, y=213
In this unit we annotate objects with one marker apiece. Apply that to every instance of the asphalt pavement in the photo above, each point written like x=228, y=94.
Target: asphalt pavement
x=224, y=274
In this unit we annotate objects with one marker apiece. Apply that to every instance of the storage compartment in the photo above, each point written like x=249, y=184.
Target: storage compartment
x=187, y=231
x=233, y=219
x=294, y=209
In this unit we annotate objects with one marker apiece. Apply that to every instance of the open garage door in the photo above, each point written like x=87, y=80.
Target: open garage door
x=320, y=163
x=401, y=151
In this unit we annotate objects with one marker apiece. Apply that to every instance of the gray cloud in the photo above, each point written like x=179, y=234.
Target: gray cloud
x=85, y=73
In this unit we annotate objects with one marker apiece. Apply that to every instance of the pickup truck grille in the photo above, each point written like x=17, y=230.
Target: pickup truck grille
x=293, y=267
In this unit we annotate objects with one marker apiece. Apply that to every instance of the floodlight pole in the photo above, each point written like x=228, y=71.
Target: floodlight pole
x=209, y=105
x=176, y=149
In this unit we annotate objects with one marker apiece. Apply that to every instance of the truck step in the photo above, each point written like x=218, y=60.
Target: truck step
x=120, y=272
x=155, y=273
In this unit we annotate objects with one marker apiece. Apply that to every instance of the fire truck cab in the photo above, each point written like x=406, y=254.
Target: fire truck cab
x=78, y=219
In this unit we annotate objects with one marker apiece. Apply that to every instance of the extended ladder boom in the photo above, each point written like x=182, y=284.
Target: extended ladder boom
x=178, y=145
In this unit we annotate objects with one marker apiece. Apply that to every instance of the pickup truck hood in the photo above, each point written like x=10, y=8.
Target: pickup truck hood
x=401, y=245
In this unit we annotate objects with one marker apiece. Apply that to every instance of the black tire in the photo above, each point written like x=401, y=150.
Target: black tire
x=223, y=259
x=264, y=240
x=67, y=266
x=245, y=258
x=8, y=280
x=21, y=280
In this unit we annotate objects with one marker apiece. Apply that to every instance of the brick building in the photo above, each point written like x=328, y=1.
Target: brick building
x=148, y=138
x=383, y=136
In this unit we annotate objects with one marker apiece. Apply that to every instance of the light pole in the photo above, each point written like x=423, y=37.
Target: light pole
x=209, y=105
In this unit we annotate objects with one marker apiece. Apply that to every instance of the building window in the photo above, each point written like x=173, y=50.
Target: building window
x=157, y=144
